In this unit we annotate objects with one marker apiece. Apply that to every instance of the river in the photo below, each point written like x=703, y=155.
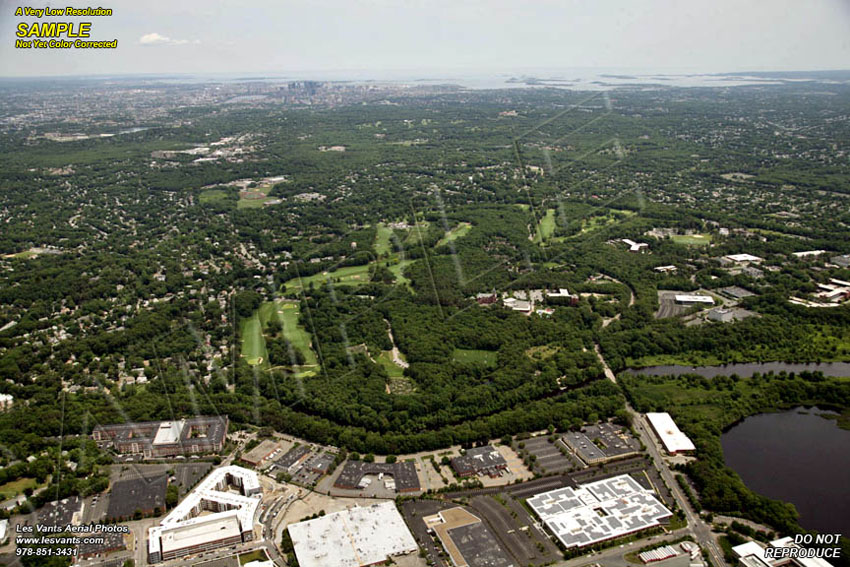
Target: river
x=799, y=457
x=746, y=369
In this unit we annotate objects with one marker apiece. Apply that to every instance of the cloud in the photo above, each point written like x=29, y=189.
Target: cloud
x=157, y=39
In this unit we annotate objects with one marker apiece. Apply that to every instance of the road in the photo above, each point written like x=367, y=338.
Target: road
x=611, y=555
x=696, y=526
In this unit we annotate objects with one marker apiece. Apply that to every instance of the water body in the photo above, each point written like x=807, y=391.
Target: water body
x=797, y=457
x=747, y=369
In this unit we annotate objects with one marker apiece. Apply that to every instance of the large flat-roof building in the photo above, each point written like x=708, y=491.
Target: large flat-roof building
x=743, y=258
x=599, y=443
x=211, y=516
x=403, y=474
x=480, y=460
x=468, y=542
x=356, y=537
x=598, y=511
x=669, y=434
x=156, y=439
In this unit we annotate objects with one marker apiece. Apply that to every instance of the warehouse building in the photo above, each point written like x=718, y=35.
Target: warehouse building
x=157, y=439
x=404, y=477
x=356, y=537
x=598, y=511
x=743, y=259
x=669, y=434
x=599, y=443
x=480, y=460
x=218, y=513
x=467, y=541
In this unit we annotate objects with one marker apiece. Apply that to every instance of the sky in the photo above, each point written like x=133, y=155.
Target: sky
x=379, y=37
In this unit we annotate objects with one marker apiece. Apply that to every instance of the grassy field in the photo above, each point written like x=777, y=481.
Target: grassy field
x=15, y=487
x=255, y=555
x=212, y=196
x=474, y=356
x=255, y=203
x=349, y=275
x=414, y=235
x=385, y=359
x=460, y=230
x=289, y=313
x=383, y=239
x=397, y=270
x=594, y=223
x=546, y=227
x=399, y=383
x=692, y=239
x=253, y=342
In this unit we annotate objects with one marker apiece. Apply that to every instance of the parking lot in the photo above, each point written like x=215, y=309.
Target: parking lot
x=515, y=529
x=548, y=457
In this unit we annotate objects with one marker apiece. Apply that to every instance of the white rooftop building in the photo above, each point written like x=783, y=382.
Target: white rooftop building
x=699, y=299
x=168, y=432
x=779, y=553
x=231, y=493
x=668, y=432
x=598, y=511
x=744, y=258
x=355, y=537
x=635, y=246
x=808, y=253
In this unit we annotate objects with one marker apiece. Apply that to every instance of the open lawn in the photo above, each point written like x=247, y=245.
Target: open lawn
x=254, y=197
x=593, y=223
x=475, y=356
x=546, y=227
x=15, y=487
x=348, y=275
x=415, y=234
x=211, y=196
x=385, y=359
x=253, y=342
x=460, y=230
x=289, y=314
x=398, y=269
x=383, y=239
x=692, y=239
x=255, y=555
x=398, y=382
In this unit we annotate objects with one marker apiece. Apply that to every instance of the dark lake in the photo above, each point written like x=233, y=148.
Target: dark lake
x=797, y=457
x=746, y=369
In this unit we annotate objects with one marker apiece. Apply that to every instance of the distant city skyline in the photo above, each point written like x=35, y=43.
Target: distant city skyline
x=380, y=37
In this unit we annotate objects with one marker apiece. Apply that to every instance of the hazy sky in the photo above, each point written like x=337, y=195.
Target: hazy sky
x=294, y=36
